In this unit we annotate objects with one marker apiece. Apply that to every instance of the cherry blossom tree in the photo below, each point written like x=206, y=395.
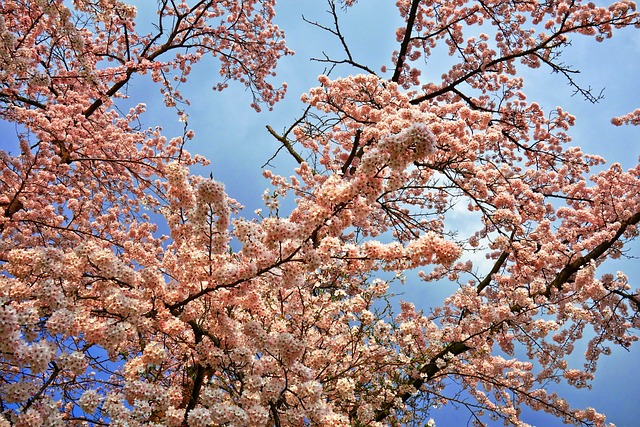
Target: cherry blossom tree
x=135, y=293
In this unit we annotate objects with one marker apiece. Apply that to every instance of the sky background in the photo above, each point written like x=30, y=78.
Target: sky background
x=234, y=138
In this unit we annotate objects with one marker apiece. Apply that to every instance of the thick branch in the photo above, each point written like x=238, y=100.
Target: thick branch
x=198, y=379
x=112, y=91
x=24, y=100
x=405, y=42
x=428, y=371
x=50, y=380
x=496, y=267
x=566, y=273
x=354, y=150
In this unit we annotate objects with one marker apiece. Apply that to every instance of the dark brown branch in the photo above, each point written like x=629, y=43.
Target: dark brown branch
x=496, y=267
x=553, y=41
x=472, y=104
x=354, y=150
x=566, y=273
x=112, y=91
x=51, y=379
x=405, y=42
x=12, y=207
x=274, y=412
x=167, y=46
x=198, y=379
x=24, y=100
x=429, y=371
x=635, y=299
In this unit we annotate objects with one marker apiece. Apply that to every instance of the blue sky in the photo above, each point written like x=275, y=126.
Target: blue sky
x=234, y=138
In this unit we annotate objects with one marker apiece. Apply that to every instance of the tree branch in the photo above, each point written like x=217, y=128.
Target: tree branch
x=572, y=268
x=285, y=142
x=405, y=42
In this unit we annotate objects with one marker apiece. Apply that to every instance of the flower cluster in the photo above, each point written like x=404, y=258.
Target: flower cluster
x=154, y=353
x=199, y=417
x=74, y=362
x=89, y=401
x=289, y=347
x=17, y=392
x=36, y=355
